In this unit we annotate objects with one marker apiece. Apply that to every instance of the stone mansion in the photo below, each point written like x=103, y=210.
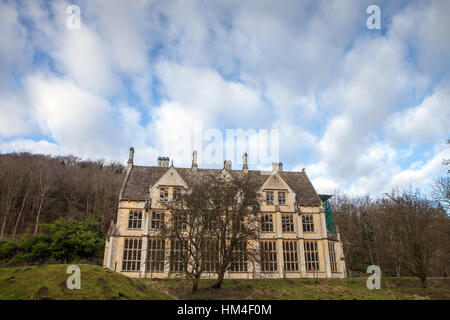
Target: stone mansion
x=295, y=239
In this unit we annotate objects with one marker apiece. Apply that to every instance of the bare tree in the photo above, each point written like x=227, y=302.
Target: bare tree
x=187, y=228
x=28, y=187
x=43, y=187
x=420, y=226
x=446, y=162
x=214, y=221
x=441, y=192
x=11, y=186
x=235, y=204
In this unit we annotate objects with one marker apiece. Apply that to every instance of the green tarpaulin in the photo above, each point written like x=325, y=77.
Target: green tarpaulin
x=328, y=212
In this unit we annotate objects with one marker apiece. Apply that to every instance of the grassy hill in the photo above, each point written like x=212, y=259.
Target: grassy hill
x=310, y=289
x=49, y=282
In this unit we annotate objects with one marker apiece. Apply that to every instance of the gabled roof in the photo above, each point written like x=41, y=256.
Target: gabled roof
x=141, y=178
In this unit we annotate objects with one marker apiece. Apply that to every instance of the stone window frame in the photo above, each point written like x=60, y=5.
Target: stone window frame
x=157, y=220
x=333, y=261
x=176, y=259
x=282, y=199
x=290, y=256
x=156, y=254
x=176, y=192
x=270, y=197
x=164, y=194
x=135, y=219
x=287, y=223
x=266, y=221
x=269, y=261
x=308, y=223
x=210, y=261
x=239, y=260
x=131, y=258
x=312, y=262
x=181, y=222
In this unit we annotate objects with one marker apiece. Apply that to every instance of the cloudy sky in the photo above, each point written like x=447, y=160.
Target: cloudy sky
x=362, y=110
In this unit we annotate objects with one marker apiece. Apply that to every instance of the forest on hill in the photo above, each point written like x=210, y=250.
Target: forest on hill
x=404, y=232
x=39, y=188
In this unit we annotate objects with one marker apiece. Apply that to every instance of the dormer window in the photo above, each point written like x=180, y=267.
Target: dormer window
x=164, y=194
x=176, y=194
x=269, y=197
x=281, y=198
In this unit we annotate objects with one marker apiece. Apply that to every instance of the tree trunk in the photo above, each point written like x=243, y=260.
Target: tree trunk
x=43, y=189
x=7, y=208
x=218, y=283
x=37, y=217
x=397, y=269
x=423, y=279
x=21, y=210
x=3, y=226
x=195, y=283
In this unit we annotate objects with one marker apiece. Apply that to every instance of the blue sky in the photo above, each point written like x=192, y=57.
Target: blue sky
x=362, y=110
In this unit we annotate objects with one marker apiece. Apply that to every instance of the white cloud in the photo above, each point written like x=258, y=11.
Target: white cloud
x=425, y=27
x=14, y=118
x=27, y=145
x=325, y=186
x=75, y=119
x=429, y=121
x=207, y=96
x=172, y=131
x=421, y=175
x=13, y=48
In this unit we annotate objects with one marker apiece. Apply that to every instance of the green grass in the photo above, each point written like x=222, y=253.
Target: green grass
x=49, y=282
x=310, y=289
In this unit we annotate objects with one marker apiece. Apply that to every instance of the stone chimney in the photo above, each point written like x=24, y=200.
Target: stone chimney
x=244, y=166
x=163, y=162
x=277, y=166
x=227, y=164
x=194, y=161
x=130, y=158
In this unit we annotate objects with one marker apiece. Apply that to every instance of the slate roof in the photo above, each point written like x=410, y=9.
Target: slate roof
x=141, y=178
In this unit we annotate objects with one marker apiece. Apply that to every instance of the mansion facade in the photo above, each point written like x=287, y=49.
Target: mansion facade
x=295, y=241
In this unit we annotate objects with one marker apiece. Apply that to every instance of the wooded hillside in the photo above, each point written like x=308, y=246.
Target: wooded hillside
x=38, y=188
x=403, y=232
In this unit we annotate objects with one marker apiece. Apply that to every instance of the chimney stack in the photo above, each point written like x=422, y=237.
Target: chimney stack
x=163, y=162
x=277, y=166
x=130, y=158
x=245, y=166
x=194, y=161
x=227, y=164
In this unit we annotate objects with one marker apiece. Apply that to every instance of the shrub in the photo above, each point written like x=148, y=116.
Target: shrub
x=8, y=249
x=60, y=241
